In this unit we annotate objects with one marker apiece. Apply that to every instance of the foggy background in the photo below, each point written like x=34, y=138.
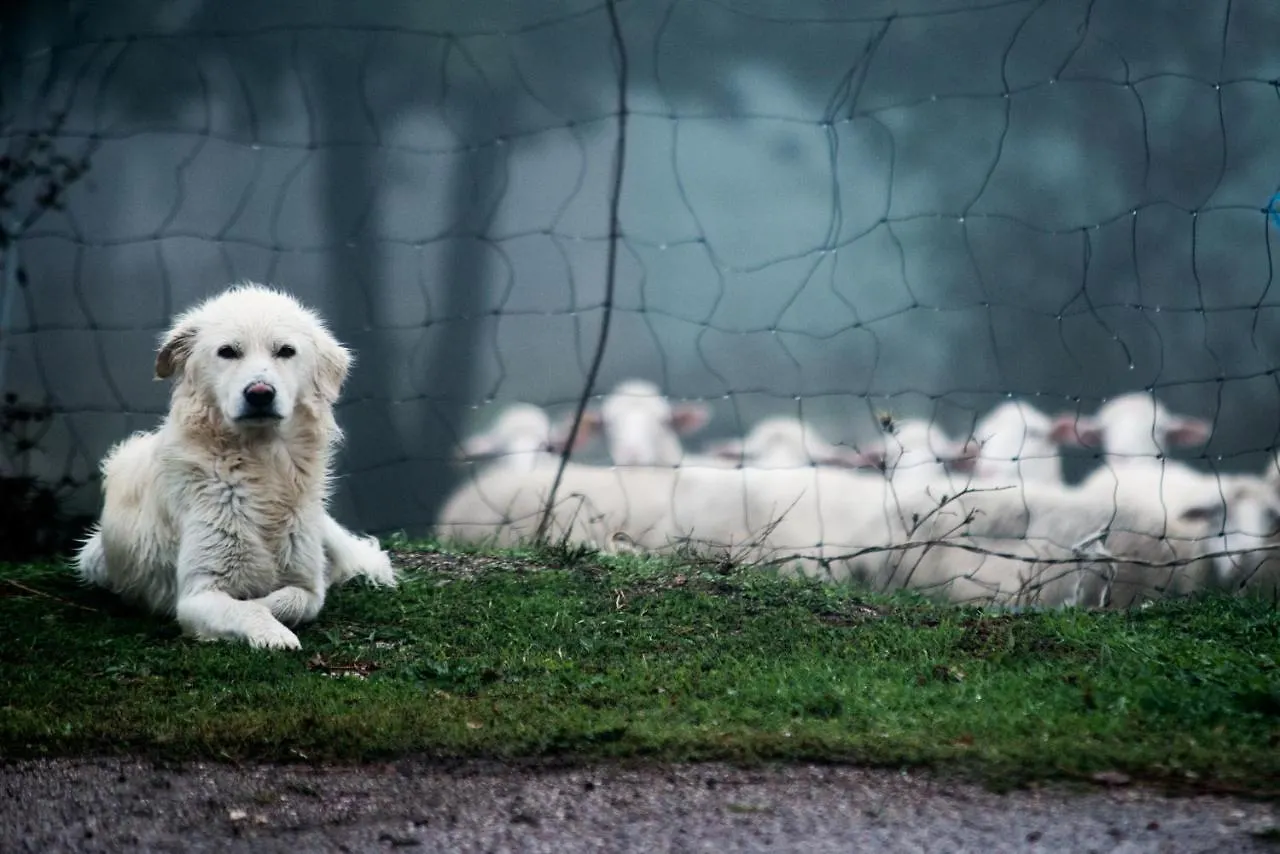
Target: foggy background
x=828, y=208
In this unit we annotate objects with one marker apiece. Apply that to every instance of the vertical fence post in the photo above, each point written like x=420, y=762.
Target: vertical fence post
x=8, y=289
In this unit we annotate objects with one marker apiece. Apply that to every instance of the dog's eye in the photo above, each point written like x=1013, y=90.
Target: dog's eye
x=226, y=351
x=286, y=352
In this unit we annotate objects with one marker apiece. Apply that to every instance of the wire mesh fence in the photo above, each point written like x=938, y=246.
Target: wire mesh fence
x=812, y=227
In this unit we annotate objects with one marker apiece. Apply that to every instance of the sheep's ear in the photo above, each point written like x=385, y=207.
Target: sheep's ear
x=690, y=417
x=475, y=447
x=1213, y=513
x=872, y=458
x=333, y=363
x=726, y=449
x=1071, y=429
x=588, y=428
x=175, y=349
x=591, y=426
x=1190, y=431
x=841, y=458
x=965, y=459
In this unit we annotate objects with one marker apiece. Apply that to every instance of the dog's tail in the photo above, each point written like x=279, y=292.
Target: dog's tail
x=91, y=559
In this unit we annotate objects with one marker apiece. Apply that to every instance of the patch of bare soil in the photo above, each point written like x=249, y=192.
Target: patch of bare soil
x=124, y=805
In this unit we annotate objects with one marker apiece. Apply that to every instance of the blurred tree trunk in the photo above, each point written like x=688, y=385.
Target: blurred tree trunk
x=475, y=192
x=355, y=273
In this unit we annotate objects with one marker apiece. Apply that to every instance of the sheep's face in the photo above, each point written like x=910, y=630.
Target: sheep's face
x=1240, y=528
x=635, y=423
x=643, y=428
x=522, y=429
x=1014, y=431
x=1138, y=425
x=791, y=443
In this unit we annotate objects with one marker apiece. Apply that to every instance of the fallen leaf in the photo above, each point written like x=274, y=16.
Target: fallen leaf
x=358, y=669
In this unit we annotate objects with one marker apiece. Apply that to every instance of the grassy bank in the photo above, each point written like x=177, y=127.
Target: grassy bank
x=558, y=654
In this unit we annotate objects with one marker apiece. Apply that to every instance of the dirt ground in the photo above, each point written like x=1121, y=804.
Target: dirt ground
x=115, y=805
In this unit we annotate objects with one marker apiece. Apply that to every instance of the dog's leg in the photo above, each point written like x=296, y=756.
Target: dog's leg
x=213, y=615
x=293, y=605
x=210, y=613
x=350, y=555
x=302, y=597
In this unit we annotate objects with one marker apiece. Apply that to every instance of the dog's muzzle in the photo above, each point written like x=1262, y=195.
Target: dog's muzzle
x=259, y=402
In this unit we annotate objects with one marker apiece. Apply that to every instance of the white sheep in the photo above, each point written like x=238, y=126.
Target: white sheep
x=1191, y=558
x=781, y=441
x=797, y=518
x=750, y=513
x=840, y=525
x=973, y=570
x=827, y=522
x=521, y=436
x=1136, y=432
x=1242, y=532
x=1118, y=545
x=968, y=546
x=1018, y=443
x=1041, y=544
x=917, y=454
x=1136, y=426
x=641, y=426
x=503, y=506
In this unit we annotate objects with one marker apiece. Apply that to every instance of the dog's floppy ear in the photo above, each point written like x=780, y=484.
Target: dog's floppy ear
x=175, y=349
x=333, y=362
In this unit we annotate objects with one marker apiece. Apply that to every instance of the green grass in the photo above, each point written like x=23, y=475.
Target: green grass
x=568, y=655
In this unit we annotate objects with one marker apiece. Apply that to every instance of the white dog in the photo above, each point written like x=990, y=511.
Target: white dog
x=218, y=517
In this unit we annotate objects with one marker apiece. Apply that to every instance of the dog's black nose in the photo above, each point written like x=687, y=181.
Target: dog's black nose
x=259, y=396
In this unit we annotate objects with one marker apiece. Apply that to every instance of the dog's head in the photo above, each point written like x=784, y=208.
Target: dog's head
x=255, y=356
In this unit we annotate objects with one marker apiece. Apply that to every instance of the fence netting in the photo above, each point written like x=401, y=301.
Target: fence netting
x=966, y=297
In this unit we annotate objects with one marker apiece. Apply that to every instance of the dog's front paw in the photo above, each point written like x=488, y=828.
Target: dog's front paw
x=272, y=634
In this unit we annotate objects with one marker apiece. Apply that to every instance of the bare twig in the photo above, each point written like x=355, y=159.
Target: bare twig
x=611, y=271
x=34, y=592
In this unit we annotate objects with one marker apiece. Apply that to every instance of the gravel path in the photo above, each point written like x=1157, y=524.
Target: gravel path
x=114, y=805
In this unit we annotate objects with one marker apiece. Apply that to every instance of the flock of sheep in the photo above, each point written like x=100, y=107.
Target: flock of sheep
x=987, y=520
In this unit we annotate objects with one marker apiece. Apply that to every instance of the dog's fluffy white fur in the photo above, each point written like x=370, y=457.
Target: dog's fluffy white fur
x=219, y=516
